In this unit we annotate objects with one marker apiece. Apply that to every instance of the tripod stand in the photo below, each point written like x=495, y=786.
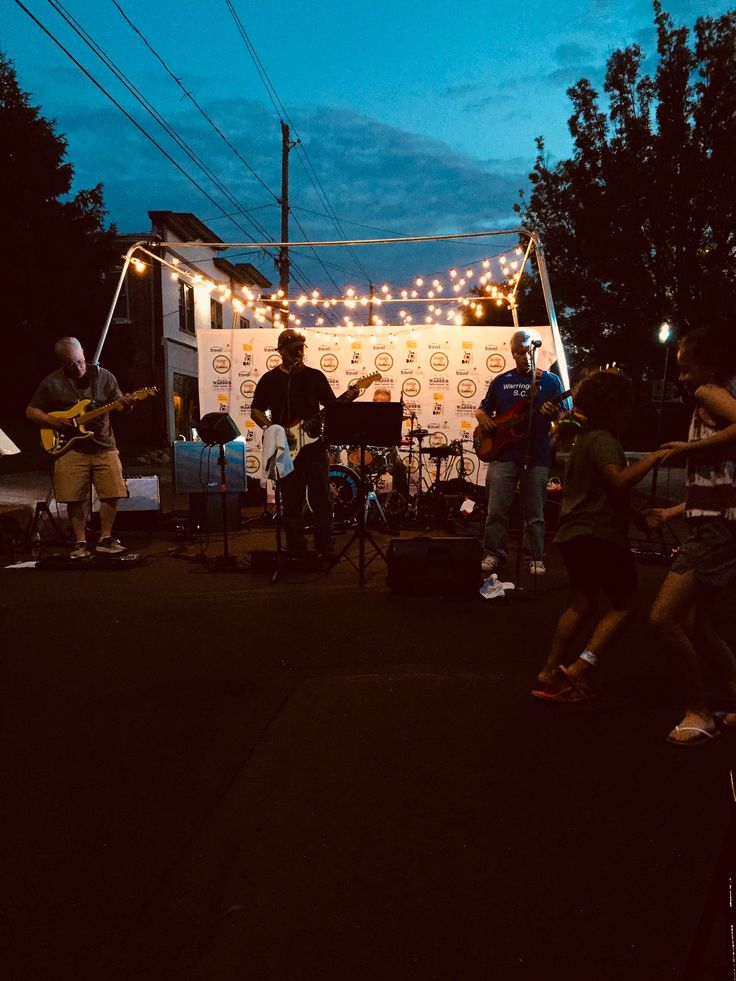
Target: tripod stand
x=367, y=424
x=226, y=561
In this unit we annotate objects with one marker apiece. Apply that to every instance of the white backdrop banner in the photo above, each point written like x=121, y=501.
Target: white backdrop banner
x=442, y=374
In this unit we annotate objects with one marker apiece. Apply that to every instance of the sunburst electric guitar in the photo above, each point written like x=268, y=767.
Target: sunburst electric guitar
x=510, y=427
x=58, y=441
x=304, y=431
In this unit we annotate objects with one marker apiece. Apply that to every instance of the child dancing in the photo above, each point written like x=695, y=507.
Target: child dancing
x=706, y=563
x=592, y=535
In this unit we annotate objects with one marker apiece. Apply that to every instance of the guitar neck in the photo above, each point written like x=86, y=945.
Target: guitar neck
x=100, y=411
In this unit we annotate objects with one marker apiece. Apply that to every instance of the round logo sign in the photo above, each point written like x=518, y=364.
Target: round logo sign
x=328, y=363
x=384, y=362
x=439, y=361
x=252, y=465
x=411, y=388
x=495, y=363
x=247, y=389
x=438, y=439
x=466, y=388
x=273, y=361
x=221, y=364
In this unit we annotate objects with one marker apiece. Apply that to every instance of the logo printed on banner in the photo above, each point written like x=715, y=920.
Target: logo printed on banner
x=438, y=439
x=467, y=357
x=384, y=362
x=495, y=363
x=248, y=388
x=438, y=408
x=247, y=359
x=411, y=387
x=221, y=364
x=439, y=361
x=329, y=363
x=252, y=465
x=273, y=361
x=467, y=388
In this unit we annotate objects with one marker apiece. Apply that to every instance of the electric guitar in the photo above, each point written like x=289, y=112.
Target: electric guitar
x=302, y=432
x=510, y=427
x=58, y=441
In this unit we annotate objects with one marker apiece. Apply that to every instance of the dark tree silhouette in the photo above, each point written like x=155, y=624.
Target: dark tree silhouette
x=55, y=246
x=638, y=224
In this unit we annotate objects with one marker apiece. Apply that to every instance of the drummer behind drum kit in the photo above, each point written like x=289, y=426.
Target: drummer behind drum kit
x=387, y=491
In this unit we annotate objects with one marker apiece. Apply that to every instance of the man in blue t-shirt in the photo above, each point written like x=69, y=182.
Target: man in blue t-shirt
x=506, y=470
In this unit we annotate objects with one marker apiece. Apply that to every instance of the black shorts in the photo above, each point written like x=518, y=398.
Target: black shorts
x=597, y=566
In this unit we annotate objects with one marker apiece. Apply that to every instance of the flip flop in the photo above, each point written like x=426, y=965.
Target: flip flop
x=701, y=737
x=585, y=692
x=567, y=696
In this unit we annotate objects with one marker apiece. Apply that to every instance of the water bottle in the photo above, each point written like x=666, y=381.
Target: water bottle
x=35, y=546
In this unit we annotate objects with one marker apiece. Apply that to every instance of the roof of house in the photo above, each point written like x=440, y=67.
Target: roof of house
x=242, y=272
x=186, y=226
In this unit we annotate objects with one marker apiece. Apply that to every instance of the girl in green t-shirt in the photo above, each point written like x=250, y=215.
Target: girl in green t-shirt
x=592, y=535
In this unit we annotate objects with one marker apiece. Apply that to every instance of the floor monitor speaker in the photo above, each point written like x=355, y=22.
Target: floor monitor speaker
x=217, y=427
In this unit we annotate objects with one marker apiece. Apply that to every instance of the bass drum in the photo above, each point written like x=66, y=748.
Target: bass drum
x=345, y=490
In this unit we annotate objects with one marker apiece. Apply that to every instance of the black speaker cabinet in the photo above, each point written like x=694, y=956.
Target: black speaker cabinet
x=217, y=427
x=205, y=511
x=444, y=566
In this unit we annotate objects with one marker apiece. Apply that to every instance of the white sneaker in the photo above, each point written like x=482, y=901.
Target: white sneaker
x=110, y=546
x=489, y=563
x=536, y=567
x=80, y=551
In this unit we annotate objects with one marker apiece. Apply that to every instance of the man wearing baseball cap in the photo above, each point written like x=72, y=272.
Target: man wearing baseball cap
x=291, y=395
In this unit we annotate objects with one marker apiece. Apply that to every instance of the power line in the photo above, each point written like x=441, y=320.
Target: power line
x=152, y=111
x=301, y=151
x=194, y=102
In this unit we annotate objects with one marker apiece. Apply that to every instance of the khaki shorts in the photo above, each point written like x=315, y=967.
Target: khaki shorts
x=74, y=471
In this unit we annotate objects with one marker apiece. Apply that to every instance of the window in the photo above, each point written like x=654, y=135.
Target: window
x=215, y=315
x=121, y=314
x=243, y=323
x=186, y=307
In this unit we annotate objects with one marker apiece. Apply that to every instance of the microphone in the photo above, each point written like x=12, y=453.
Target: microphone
x=536, y=343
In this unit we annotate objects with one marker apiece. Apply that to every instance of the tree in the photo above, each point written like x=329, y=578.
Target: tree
x=638, y=225
x=56, y=247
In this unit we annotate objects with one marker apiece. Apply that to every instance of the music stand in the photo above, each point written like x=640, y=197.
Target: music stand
x=367, y=424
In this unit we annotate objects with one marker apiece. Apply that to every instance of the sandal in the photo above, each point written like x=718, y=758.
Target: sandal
x=584, y=691
x=701, y=737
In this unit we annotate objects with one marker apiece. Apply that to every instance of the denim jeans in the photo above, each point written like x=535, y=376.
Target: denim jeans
x=501, y=481
x=310, y=475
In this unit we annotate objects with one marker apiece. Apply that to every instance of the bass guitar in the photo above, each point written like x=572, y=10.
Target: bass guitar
x=302, y=432
x=510, y=427
x=58, y=441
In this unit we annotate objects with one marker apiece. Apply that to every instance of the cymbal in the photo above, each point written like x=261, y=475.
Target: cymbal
x=418, y=433
x=407, y=418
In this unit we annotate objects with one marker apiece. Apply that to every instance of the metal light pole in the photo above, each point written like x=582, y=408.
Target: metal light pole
x=664, y=335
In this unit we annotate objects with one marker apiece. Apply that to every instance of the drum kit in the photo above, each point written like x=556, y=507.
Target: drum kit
x=402, y=485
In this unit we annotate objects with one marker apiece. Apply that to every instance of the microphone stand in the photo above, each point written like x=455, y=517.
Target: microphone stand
x=519, y=592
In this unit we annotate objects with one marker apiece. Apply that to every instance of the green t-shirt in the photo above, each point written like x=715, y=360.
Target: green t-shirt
x=590, y=506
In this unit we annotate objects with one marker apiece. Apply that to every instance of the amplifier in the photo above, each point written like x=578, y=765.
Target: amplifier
x=197, y=467
x=143, y=495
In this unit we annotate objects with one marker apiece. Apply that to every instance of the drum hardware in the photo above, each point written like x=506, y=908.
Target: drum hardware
x=369, y=424
x=439, y=452
x=417, y=433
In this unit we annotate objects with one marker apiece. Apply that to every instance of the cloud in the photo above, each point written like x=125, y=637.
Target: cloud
x=371, y=173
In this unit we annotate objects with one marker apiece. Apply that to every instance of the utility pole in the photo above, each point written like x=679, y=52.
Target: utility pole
x=284, y=250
